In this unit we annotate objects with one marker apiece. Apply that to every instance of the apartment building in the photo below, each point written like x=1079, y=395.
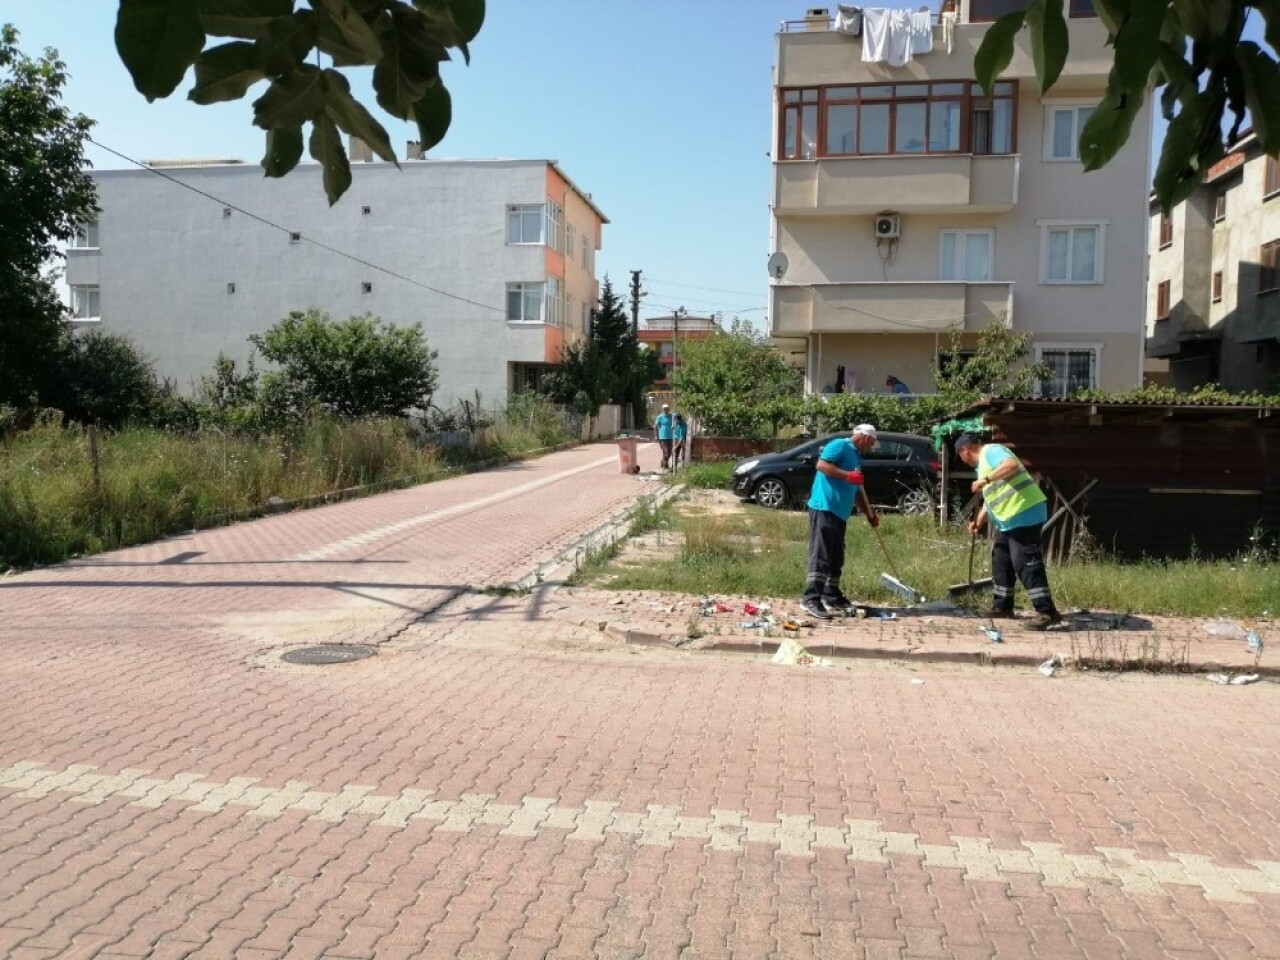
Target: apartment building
x=495, y=258
x=906, y=201
x=1213, y=305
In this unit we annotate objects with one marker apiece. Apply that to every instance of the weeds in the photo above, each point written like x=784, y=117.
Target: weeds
x=704, y=476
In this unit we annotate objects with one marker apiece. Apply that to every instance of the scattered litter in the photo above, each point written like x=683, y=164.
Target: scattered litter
x=936, y=606
x=1087, y=620
x=992, y=634
x=792, y=654
x=1253, y=641
x=753, y=624
x=861, y=613
x=617, y=602
x=723, y=608
x=1226, y=627
x=887, y=615
x=751, y=609
x=791, y=625
x=1237, y=681
x=1050, y=667
x=916, y=681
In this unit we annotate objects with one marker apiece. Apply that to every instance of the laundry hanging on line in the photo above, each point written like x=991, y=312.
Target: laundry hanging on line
x=886, y=36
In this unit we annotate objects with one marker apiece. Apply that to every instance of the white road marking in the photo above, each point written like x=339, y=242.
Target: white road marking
x=861, y=841
x=369, y=536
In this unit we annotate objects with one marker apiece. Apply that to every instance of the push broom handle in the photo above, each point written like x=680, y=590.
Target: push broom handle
x=885, y=551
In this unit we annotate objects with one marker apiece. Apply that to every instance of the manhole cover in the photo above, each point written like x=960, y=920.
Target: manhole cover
x=328, y=653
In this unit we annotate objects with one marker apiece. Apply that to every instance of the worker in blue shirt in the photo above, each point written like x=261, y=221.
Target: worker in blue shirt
x=663, y=428
x=680, y=437
x=836, y=487
x=897, y=387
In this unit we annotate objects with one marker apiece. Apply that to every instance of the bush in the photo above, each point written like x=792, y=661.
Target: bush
x=107, y=380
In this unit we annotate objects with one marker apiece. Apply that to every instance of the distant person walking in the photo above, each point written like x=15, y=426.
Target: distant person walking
x=664, y=430
x=680, y=439
x=836, y=487
x=896, y=386
x=1016, y=505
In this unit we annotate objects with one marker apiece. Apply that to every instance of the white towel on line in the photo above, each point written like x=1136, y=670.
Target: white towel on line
x=886, y=36
x=921, y=32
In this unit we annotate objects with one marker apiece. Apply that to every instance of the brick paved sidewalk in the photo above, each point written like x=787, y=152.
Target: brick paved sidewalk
x=1096, y=639
x=499, y=783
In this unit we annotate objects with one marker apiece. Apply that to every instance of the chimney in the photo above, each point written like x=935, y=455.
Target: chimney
x=817, y=18
x=413, y=150
x=359, y=151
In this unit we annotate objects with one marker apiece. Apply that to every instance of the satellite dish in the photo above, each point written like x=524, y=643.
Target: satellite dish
x=778, y=265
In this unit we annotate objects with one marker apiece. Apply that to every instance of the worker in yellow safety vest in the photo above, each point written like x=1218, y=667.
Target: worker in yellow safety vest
x=1016, y=507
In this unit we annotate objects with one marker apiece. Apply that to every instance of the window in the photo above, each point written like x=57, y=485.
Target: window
x=965, y=254
x=984, y=11
x=524, y=302
x=903, y=118
x=555, y=303
x=1271, y=178
x=365, y=211
x=1166, y=230
x=586, y=256
x=889, y=450
x=666, y=350
x=226, y=213
x=366, y=287
x=86, y=235
x=1269, y=267
x=85, y=302
x=1217, y=286
x=231, y=288
x=1062, y=131
x=1071, y=368
x=555, y=226
x=1220, y=206
x=1071, y=253
x=1162, y=299
x=570, y=239
x=295, y=238
x=524, y=223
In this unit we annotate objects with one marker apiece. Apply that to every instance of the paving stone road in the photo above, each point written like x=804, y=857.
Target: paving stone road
x=497, y=783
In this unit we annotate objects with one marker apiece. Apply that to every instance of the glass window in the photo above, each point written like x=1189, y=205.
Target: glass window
x=1271, y=178
x=809, y=131
x=1269, y=266
x=85, y=302
x=842, y=120
x=1065, y=124
x=86, y=235
x=909, y=133
x=1220, y=205
x=1070, y=370
x=1163, y=289
x=944, y=126
x=524, y=302
x=1217, y=286
x=1071, y=254
x=873, y=128
x=1166, y=230
x=555, y=226
x=554, y=303
x=965, y=255
x=524, y=223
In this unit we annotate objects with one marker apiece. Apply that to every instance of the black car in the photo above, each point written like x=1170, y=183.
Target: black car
x=902, y=471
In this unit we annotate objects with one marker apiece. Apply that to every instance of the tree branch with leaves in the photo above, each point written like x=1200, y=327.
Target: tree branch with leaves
x=273, y=41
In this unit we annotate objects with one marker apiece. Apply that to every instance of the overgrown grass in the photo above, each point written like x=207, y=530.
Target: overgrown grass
x=157, y=482
x=762, y=553
x=705, y=476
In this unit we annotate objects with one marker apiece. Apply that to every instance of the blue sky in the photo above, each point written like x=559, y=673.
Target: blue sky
x=659, y=108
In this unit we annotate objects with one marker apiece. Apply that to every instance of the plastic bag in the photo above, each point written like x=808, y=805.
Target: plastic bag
x=791, y=654
x=1226, y=627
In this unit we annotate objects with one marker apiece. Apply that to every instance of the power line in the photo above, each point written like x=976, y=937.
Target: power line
x=690, y=286
x=292, y=233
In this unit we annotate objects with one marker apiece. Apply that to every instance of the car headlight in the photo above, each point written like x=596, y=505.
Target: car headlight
x=744, y=467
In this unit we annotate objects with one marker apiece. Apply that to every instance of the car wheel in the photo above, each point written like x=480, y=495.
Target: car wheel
x=772, y=493
x=916, y=501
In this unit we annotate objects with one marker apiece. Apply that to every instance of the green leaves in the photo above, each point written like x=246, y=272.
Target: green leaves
x=1108, y=129
x=1262, y=93
x=405, y=42
x=997, y=48
x=225, y=72
x=1138, y=44
x=158, y=40
x=1049, y=40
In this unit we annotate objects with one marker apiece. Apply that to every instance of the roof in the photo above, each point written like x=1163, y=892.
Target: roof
x=1185, y=405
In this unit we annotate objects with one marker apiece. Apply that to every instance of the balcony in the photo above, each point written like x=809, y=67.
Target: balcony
x=925, y=183
x=877, y=307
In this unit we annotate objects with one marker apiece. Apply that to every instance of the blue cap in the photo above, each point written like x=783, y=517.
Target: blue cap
x=966, y=440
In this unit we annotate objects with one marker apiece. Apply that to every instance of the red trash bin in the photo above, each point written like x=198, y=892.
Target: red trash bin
x=627, y=455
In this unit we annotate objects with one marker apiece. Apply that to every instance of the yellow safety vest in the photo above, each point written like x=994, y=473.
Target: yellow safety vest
x=1007, y=498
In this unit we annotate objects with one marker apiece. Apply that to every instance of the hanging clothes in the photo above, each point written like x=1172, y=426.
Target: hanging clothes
x=886, y=36
x=848, y=20
x=850, y=380
x=840, y=378
x=921, y=32
x=949, y=29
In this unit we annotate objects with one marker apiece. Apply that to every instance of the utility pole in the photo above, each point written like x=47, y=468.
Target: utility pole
x=675, y=350
x=635, y=305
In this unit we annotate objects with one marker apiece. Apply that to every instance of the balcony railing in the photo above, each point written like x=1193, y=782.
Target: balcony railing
x=879, y=307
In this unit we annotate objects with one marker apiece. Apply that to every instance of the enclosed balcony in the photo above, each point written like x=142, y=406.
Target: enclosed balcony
x=926, y=183
x=878, y=307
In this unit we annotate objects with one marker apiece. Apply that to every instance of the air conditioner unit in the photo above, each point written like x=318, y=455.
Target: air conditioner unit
x=888, y=226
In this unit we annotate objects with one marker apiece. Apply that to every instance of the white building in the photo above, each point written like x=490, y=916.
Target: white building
x=906, y=201
x=495, y=258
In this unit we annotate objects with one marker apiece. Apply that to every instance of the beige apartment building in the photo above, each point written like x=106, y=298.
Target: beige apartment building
x=907, y=202
x=1213, y=305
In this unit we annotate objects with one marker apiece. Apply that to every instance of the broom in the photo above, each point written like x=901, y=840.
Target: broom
x=892, y=582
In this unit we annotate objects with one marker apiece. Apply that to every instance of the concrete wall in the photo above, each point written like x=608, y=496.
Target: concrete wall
x=167, y=256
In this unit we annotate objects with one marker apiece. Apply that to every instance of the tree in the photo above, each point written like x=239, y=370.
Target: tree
x=1194, y=49
x=404, y=42
x=635, y=368
x=736, y=383
x=44, y=194
x=107, y=380
x=355, y=367
x=994, y=368
x=584, y=380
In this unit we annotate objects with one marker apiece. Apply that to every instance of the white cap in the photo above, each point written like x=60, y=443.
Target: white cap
x=864, y=430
